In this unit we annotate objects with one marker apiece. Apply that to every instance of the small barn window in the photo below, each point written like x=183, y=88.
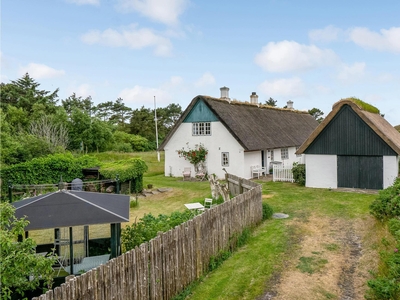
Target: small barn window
x=201, y=128
x=284, y=153
x=225, y=159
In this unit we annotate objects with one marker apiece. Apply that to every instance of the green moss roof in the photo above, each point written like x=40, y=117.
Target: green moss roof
x=363, y=105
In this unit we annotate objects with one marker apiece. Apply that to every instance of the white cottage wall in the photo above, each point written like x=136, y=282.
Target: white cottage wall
x=321, y=171
x=286, y=162
x=252, y=158
x=390, y=170
x=219, y=141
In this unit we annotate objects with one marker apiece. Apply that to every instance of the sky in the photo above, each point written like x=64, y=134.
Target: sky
x=311, y=52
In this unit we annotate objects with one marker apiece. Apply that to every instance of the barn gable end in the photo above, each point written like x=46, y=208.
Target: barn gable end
x=348, y=134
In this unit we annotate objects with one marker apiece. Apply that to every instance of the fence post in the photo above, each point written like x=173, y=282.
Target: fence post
x=117, y=184
x=10, y=191
x=240, y=186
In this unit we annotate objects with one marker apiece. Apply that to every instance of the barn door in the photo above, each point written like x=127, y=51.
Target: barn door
x=365, y=172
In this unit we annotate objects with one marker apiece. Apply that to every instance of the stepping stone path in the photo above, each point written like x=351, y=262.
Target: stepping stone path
x=147, y=192
x=280, y=216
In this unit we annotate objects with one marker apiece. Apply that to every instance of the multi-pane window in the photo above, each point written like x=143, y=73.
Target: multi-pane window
x=284, y=153
x=272, y=155
x=225, y=159
x=201, y=128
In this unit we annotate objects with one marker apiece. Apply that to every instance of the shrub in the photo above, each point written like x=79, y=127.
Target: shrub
x=267, y=211
x=130, y=169
x=387, y=204
x=48, y=169
x=387, y=207
x=394, y=228
x=299, y=173
x=123, y=147
x=148, y=227
x=383, y=289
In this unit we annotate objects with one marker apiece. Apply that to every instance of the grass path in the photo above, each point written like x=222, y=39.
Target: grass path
x=322, y=251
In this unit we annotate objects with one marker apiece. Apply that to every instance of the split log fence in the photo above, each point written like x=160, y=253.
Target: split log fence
x=164, y=266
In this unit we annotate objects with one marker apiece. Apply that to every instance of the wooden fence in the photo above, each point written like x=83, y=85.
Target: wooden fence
x=163, y=267
x=281, y=173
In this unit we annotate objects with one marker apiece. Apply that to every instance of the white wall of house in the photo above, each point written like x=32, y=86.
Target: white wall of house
x=390, y=170
x=251, y=158
x=321, y=171
x=277, y=157
x=219, y=141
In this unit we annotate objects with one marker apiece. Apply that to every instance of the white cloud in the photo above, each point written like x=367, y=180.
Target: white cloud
x=140, y=95
x=40, y=71
x=84, y=90
x=287, y=56
x=163, y=11
x=327, y=34
x=351, y=73
x=322, y=89
x=386, y=40
x=132, y=37
x=206, y=79
x=385, y=77
x=83, y=2
x=291, y=87
x=175, y=81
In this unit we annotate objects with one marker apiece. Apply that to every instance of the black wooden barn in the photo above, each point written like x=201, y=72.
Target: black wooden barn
x=353, y=147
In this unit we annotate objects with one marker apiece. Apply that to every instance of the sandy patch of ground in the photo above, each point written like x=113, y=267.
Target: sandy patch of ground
x=327, y=263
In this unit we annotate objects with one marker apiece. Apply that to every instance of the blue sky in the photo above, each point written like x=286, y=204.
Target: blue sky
x=311, y=52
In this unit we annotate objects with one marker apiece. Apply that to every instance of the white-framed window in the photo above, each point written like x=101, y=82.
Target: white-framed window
x=284, y=153
x=225, y=159
x=201, y=128
x=272, y=155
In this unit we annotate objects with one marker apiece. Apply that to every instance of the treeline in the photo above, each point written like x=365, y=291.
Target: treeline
x=35, y=123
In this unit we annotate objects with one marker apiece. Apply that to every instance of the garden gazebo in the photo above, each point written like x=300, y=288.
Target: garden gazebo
x=67, y=208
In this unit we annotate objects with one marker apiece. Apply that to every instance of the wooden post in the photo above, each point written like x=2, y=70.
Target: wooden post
x=117, y=188
x=57, y=236
x=10, y=191
x=114, y=251
x=71, y=250
x=86, y=239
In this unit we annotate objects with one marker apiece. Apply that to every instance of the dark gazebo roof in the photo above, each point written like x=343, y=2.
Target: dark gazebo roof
x=72, y=208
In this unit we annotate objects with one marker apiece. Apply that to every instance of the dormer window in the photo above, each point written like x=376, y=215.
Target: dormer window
x=201, y=128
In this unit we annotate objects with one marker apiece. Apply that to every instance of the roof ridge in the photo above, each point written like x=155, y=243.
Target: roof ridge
x=362, y=105
x=259, y=105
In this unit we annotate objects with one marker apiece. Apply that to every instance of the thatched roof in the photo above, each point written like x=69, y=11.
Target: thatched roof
x=256, y=127
x=374, y=120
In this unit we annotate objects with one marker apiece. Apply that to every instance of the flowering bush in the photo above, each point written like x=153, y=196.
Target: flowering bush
x=194, y=156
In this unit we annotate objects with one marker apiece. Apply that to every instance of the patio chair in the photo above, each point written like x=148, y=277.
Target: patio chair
x=208, y=202
x=187, y=173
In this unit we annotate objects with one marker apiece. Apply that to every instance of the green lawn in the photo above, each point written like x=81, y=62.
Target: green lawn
x=245, y=274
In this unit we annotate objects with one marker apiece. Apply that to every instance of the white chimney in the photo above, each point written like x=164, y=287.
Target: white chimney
x=225, y=93
x=254, y=98
x=290, y=104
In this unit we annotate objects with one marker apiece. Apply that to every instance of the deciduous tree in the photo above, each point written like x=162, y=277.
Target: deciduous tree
x=20, y=268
